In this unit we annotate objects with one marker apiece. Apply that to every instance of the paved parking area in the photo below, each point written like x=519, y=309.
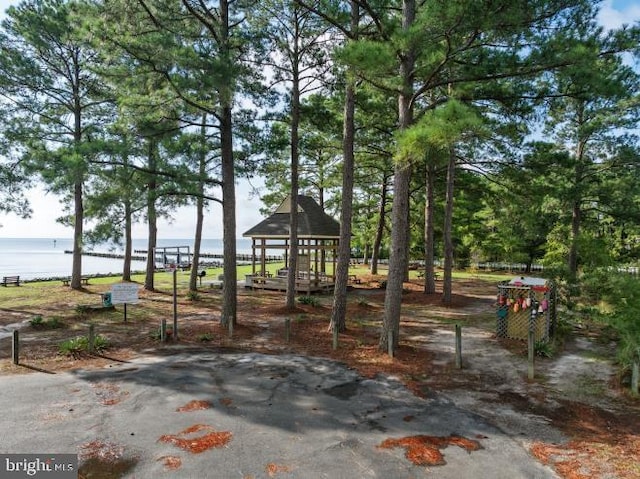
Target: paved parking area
x=198, y=414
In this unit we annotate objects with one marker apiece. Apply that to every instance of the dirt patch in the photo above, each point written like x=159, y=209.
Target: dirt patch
x=572, y=416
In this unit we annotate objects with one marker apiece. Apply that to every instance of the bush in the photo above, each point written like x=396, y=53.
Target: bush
x=193, y=295
x=83, y=309
x=157, y=333
x=74, y=346
x=100, y=343
x=543, y=349
x=79, y=345
x=310, y=300
x=620, y=309
x=38, y=322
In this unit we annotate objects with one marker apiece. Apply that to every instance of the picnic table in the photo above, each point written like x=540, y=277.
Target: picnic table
x=67, y=281
x=435, y=275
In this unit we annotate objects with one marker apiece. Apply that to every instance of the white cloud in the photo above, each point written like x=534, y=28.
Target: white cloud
x=614, y=14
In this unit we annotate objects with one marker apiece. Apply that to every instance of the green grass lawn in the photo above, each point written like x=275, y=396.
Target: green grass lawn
x=43, y=293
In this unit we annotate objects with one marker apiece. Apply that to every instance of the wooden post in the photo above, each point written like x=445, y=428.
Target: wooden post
x=335, y=338
x=635, y=377
x=458, y=346
x=92, y=338
x=287, y=329
x=163, y=330
x=531, y=344
x=390, y=343
x=15, y=351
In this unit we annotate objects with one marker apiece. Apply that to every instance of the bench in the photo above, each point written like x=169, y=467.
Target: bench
x=67, y=281
x=7, y=280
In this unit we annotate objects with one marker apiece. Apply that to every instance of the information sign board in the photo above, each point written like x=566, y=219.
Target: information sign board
x=123, y=293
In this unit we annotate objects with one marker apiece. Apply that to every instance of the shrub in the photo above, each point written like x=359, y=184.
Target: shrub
x=310, y=300
x=204, y=337
x=100, y=343
x=543, y=349
x=38, y=322
x=54, y=323
x=74, y=346
x=157, y=333
x=193, y=295
x=620, y=293
x=83, y=309
x=79, y=345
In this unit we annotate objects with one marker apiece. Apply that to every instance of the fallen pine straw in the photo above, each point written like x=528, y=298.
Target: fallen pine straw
x=198, y=444
x=424, y=450
x=194, y=405
x=272, y=469
x=171, y=463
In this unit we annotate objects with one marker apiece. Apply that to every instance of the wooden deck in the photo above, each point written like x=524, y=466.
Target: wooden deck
x=279, y=283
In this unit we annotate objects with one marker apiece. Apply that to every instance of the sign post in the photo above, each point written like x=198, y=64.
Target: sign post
x=124, y=293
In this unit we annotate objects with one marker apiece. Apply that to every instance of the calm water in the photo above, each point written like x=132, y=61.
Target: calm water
x=45, y=257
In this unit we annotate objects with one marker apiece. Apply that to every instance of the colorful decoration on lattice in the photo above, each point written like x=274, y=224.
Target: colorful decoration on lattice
x=523, y=305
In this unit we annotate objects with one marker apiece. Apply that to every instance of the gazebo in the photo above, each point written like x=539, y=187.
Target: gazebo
x=318, y=238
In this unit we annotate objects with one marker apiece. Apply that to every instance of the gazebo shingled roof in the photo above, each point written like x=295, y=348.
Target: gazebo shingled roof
x=313, y=222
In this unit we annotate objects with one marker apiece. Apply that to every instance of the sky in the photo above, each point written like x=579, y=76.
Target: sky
x=47, y=207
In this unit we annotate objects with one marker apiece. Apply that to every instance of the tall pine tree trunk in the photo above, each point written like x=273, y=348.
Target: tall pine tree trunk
x=402, y=177
x=377, y=241
x=339, y=312
x=78, y=200
x=230, y=275
x=576, y=212
x=448, y=225
x=128, y=241
x=197, y=243
x=429, y=278
x=152, y=216
x=293, y=221
x=76, y=268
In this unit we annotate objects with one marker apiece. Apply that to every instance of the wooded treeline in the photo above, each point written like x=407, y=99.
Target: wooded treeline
x=450, y=130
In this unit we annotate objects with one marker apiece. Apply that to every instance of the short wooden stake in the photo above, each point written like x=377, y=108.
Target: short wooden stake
x=92, y=338
x=287, y=329
x=335, y=337
x=390, y=343
x=15, y=351
x=458, y=346
x=531, y=345
x=163, y=330
x=635, y=377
